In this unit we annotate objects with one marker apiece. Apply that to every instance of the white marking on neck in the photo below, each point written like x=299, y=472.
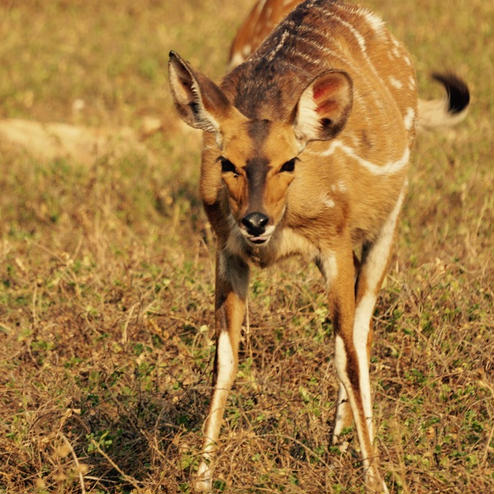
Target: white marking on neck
x=386, y=169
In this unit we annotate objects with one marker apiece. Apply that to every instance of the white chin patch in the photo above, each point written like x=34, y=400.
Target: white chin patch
x=259, y=240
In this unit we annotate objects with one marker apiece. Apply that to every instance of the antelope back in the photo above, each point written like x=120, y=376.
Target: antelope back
x=262, y=19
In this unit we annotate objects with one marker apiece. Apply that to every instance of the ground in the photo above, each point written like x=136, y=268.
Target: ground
x=106, y=276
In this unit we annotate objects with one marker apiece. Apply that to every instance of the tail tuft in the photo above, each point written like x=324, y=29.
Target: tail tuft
x=447, y=111
x=457, y=90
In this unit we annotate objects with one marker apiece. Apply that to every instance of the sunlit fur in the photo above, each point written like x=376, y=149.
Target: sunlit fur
x=312, y=134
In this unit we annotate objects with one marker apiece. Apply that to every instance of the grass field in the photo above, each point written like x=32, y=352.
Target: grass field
x=106, y=277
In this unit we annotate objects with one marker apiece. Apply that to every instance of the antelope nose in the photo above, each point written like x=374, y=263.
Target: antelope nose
x=255, y=223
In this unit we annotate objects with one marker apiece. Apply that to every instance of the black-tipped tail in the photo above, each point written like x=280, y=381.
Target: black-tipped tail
x=457, y=90
x=447, y=111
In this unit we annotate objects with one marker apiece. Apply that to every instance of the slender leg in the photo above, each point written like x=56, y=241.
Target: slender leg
x=350, y=369
x=344, y=414
x=232, y=276
x=352, y=349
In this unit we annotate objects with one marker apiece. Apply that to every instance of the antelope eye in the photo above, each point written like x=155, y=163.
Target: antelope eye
x=289, y=166
x=227, y=166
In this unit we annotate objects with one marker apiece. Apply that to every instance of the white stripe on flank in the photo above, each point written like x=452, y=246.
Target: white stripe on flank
x=322, y=48
x=409, y=118
x=373, y=20
x=278, y=47
x=386, y=169
x=360, y=39
x=306, y=57
x=361, y=42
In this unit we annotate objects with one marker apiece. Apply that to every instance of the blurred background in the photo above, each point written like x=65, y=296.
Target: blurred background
x=107, y=270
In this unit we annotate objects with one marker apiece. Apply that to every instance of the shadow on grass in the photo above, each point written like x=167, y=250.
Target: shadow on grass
x=125, y=443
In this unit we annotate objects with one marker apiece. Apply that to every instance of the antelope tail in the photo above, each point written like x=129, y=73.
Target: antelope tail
x=447, y=111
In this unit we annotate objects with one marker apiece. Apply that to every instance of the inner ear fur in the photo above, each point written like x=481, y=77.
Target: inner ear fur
x=323, y=107
x=199, y=101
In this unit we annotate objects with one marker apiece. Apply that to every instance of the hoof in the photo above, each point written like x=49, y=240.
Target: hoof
x=375, y=484
x=203, y=481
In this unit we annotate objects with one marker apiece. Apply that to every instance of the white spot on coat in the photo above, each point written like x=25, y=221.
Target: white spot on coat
x=395, y=82
x=328, y=202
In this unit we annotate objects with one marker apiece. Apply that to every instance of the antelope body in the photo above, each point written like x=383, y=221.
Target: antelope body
x=305, y=151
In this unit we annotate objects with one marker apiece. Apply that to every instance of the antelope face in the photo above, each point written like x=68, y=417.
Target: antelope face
x=257, y=164
x=256, y=160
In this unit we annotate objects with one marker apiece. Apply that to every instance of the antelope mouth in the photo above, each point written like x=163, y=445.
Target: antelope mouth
x=258, y=239
x=262, y=239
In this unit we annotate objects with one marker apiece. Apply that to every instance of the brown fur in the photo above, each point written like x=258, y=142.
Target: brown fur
x=306, y=148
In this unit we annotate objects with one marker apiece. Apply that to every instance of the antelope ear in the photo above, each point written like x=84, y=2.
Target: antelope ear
x=199, y=101
x=323, y=107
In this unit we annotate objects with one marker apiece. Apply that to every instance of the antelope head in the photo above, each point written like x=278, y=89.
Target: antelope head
x=255, y=160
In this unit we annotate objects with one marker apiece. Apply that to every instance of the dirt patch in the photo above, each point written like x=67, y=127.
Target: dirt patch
x=53, y=140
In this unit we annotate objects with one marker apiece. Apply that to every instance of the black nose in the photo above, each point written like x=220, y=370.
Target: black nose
x=255, y=223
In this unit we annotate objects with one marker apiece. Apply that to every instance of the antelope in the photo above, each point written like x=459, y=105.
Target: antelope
x=306, y=146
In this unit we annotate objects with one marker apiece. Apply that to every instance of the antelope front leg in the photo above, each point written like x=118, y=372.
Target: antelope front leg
x=232, y=276
x=351, y=366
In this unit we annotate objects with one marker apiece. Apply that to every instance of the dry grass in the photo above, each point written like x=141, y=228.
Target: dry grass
x=106, y=278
